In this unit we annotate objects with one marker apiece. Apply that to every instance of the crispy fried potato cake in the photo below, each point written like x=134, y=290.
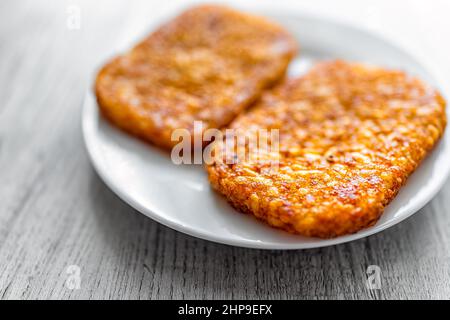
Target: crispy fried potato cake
x=208, y=64
x=349, y=137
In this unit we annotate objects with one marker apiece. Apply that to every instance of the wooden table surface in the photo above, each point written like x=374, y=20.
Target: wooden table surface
x=57, y=215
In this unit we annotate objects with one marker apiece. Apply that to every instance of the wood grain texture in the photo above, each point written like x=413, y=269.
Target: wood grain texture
x=56, y=212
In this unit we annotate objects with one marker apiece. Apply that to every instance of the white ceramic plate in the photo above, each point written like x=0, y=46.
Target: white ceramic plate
x=180, y=196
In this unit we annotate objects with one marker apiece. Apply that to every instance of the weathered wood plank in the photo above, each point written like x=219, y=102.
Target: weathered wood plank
x=56, y=212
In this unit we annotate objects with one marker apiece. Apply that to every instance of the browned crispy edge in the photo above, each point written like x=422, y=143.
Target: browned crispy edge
x=325, y=227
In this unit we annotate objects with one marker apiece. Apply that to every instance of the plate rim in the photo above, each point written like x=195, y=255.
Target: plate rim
x=89, y=117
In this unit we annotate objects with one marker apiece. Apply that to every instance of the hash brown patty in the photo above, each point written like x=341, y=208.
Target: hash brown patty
x=208, y=64
x=349, y=137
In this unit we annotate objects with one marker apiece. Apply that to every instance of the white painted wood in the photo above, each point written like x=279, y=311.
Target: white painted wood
x=56, y=212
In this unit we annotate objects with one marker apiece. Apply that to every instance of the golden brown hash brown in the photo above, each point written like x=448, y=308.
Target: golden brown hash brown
x=350, y=135
x=208, y=64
